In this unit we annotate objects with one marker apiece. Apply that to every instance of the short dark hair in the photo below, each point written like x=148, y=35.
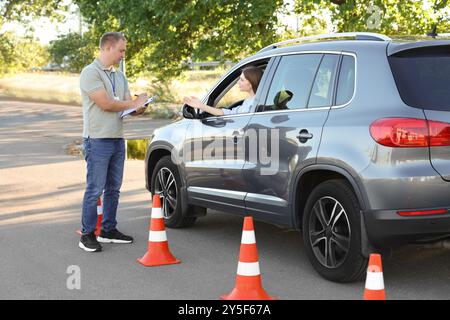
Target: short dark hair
x=253, y=75
x=111, y=38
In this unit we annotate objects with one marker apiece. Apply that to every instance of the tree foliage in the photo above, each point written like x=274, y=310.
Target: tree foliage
x=20, y=54
x=6, y=52
x=72, y=51
x=30, y=54
x=20, y=9
x=408, y=17
x=24, y=53
x=163, y=33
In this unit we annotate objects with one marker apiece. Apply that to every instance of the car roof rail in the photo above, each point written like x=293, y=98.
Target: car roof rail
x=356, y=35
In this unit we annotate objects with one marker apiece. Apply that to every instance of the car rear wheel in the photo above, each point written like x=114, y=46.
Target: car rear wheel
x=166, y=182
x=332, y=232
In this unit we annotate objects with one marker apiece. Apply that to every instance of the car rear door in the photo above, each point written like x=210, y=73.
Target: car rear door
x=284, y=135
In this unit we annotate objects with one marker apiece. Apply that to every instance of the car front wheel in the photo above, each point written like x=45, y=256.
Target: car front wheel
x=166, y=183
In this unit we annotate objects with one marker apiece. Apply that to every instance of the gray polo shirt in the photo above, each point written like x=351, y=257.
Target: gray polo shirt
x=96, y=122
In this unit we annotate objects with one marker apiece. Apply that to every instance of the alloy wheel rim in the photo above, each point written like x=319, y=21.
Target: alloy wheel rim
x=329, y=232
x=166, y=188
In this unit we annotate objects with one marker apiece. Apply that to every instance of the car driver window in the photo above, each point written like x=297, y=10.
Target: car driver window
x=232, y=96
x=235, y=94
x=239, y=94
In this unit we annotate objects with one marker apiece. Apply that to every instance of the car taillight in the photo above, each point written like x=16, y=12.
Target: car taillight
x=439, y=133
x=410, y=133
x=421, y=213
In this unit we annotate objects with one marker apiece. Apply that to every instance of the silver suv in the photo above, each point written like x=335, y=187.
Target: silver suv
x=348, y=141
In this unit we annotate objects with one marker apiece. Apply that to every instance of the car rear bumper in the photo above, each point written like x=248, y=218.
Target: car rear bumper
x=387, y=227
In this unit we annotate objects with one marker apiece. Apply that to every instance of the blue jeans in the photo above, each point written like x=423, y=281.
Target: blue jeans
x=105, y=163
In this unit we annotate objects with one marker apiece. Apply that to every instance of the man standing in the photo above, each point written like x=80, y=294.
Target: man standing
x=105, y=93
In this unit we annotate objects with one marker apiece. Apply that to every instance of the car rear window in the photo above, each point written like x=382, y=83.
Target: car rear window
x=292, y=82
x=422, y=76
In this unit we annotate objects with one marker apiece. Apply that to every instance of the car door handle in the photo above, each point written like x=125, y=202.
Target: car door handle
x=236, y=136
x=215, y=122
x=304, y=136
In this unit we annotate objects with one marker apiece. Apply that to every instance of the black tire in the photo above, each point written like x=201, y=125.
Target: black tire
x=171, y=200
x=339, y=232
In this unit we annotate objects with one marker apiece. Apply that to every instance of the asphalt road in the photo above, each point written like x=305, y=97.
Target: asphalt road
x=41, y=189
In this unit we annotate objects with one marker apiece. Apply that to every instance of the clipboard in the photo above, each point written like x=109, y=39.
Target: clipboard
x=127, y=112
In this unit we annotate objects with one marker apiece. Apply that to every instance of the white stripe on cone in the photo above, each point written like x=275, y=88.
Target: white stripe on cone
x=374, y=281
x=248, y=237
x=248, y=269
x=157, y=236
x=99, y=210
x=157, y=213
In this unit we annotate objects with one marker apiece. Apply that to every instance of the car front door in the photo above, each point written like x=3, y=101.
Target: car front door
x=285, y=131
x=214, y=149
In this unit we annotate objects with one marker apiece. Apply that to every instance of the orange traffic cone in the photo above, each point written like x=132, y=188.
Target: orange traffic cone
x=158, y=247
x=248, y=278
x=374, y=289
x=98, y=227
x=99, y=218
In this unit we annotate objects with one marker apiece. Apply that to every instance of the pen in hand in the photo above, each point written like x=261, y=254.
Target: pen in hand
x=140, y=96
x=140, y=109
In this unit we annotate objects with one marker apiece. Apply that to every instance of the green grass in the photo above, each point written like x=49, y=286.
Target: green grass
x=136, y=149
x=63, y=88
x=42, y=87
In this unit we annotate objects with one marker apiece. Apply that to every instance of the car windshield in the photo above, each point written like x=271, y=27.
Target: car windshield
x=423, y=77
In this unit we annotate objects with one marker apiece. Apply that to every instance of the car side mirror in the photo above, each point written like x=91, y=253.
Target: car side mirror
x=188, y=112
